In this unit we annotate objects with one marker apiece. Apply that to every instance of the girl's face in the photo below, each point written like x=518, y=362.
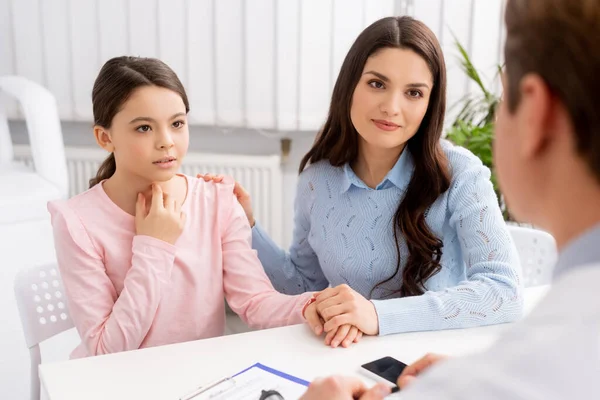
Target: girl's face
x=391, y=98
x=149, y=136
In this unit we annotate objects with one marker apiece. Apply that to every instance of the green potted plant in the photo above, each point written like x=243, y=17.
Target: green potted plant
x=473, y=127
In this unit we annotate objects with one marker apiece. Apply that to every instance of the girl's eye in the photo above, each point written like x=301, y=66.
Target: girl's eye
x=178, y=124
x=415, y=93
x=143, y=128
x=376, y=84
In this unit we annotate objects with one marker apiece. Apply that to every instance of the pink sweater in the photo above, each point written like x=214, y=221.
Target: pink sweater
x=127, y=291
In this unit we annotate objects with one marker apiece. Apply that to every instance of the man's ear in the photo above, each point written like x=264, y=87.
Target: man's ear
x=535, y=114
x=103, y=138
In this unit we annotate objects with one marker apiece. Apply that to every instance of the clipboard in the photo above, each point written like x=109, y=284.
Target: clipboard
x=249, y=384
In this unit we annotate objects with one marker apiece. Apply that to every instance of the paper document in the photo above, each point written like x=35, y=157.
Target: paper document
x=250, y=383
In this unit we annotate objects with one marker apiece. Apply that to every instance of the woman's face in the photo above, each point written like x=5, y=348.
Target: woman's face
x=391, y=98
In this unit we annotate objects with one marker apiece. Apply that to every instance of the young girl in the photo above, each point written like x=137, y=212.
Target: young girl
x=404, y=226
x=146, y=254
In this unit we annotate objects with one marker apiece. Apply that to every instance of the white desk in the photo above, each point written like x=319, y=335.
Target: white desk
x=167, y=372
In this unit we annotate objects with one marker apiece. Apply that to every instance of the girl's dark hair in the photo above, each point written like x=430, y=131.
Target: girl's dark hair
x=117, y=80
x=338, y=142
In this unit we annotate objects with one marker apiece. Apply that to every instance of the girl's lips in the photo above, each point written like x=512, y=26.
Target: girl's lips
x=165, y=162
x=165, y=159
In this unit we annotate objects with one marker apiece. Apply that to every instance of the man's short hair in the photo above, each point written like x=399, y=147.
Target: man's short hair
x=559, y=40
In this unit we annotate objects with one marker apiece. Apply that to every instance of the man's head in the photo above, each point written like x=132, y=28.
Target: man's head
x=548, y=128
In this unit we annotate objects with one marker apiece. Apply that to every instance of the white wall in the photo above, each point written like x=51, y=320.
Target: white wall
x=267, y=64
x=260, y=63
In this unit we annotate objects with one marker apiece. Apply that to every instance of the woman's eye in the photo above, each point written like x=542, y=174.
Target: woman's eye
x=143, y=128
x=415, y=93
x=376, y=84
x=178, y=124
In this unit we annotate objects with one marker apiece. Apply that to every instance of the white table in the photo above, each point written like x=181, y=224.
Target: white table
x=167, y=372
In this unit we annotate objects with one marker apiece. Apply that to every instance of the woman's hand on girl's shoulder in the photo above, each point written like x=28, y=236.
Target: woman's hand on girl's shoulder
x=240, y=193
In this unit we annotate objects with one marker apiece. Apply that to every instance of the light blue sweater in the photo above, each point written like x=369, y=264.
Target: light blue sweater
x=343, y=233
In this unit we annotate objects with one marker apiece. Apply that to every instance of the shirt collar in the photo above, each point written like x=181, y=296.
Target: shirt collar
x=398, y=176
x=583, y=250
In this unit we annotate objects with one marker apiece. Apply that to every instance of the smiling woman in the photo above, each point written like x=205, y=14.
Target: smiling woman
x=391, y=96
x=400, y=230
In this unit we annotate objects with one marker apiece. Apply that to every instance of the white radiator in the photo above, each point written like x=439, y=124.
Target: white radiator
x=260, y=175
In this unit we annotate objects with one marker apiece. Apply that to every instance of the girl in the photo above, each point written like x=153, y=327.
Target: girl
x=404, y=226
x=146, y=254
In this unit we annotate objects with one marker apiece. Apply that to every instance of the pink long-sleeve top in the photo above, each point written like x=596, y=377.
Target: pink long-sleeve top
x=128, y=291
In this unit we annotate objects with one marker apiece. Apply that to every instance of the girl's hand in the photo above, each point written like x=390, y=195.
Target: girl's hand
x=163, y=220
x=240, y=193
x=344, y=336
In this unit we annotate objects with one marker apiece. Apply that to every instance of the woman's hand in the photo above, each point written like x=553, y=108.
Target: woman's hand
x=345, y=335
x=240, y=193
x=342, y=305
x=164, y=220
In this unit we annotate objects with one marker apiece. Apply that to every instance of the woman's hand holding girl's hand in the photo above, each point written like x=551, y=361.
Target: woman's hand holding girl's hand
x=342, y=305
x=345, y=335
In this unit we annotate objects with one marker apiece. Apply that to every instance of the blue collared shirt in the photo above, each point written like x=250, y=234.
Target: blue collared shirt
x=343, y=233
x=581, y=251
x=399, y=176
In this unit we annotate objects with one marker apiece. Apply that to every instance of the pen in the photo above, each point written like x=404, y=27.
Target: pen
x=395, y=389
x=203, y=389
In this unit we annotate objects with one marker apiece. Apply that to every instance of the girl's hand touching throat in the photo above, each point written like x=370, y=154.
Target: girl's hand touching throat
x=164, y=220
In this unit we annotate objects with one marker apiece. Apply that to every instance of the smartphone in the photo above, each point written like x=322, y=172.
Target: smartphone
x=387, y=368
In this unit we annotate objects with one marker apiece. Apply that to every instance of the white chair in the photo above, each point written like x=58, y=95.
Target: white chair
x=538, y=253
x=49, y=181
x=44, y=313
x=25, y=230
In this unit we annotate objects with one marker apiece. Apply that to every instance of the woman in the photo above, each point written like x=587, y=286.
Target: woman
x=404, y=226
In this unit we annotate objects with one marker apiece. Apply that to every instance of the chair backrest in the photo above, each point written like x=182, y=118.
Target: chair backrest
x=44, y=313
x=42, y=303
x=538, y=254
x=40, y=110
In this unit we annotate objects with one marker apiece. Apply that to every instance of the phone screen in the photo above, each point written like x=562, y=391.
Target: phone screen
x=387, y=367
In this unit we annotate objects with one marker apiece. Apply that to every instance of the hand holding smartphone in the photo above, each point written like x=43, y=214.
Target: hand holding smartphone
x=386, y=369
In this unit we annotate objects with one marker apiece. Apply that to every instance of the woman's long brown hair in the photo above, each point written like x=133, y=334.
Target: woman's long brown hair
x=338, y=143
